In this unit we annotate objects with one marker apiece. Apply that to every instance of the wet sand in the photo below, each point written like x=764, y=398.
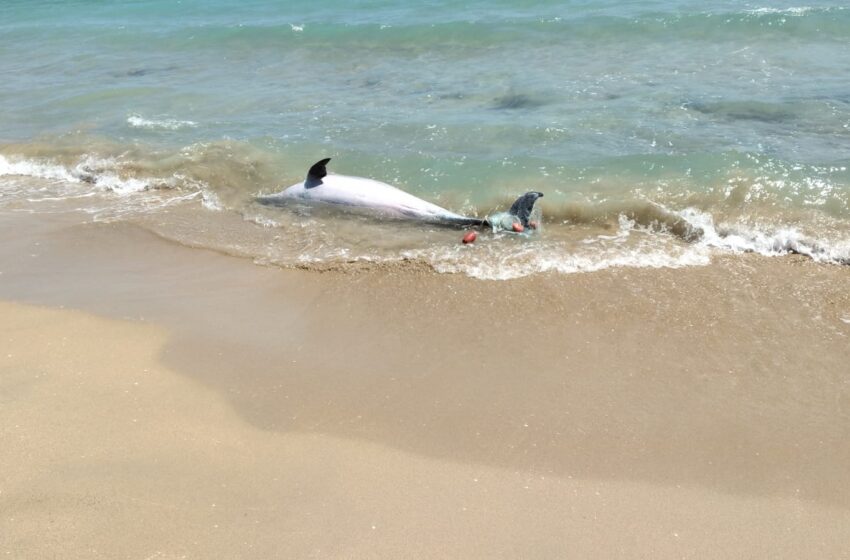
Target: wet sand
x=191, y=404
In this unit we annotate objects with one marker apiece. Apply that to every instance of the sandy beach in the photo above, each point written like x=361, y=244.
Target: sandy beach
x=365, y=279
x=160, y=401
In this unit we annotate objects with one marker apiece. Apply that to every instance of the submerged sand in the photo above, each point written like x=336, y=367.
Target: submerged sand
x=195, y=405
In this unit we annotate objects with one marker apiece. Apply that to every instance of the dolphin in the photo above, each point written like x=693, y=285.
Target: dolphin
x=380, y=199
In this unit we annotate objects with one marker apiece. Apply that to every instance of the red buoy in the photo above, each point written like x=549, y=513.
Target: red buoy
x=470, y=237
x=517, y=227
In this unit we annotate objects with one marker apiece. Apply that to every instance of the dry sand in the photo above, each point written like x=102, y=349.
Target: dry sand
x=195, y=405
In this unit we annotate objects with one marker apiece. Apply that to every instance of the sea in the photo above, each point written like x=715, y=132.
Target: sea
x=663, y=133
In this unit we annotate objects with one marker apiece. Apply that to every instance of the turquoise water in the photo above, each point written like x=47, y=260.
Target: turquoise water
x=630, y=116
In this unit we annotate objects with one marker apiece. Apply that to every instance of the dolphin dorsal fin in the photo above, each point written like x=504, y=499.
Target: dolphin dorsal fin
x=316, y=173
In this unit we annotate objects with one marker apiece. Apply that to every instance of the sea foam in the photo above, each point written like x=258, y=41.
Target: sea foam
x=137, y=121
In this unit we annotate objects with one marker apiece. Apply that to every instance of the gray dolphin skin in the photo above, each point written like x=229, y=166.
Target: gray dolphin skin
x=380, y=199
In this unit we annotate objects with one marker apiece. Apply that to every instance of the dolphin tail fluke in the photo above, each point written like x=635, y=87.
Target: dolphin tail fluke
x=523, y=206
x=521, y=210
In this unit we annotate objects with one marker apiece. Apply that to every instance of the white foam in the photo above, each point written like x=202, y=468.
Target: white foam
x=263, y=221
x=210, y=201
x=741, y=238
x=566, y=263
x=116, y=184
x=792, y=11
x=101, y=173
x=137, y=121
x=495, y=262
x=41, y=170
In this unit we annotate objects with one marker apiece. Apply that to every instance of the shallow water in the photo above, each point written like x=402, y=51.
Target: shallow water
x=660, y=133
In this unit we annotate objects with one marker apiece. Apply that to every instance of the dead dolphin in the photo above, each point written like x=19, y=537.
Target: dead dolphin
x=380, y=199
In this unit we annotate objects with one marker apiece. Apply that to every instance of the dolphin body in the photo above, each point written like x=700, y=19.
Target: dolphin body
x=381, y=199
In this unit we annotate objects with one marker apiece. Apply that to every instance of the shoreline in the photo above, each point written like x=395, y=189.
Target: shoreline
x=627, y=411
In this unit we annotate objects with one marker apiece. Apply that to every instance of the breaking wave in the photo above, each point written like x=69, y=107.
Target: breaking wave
x=104, y=174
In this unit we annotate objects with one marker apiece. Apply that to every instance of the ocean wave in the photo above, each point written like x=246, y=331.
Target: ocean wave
x=562, y=249
x=41, y=170
x=777, y=241
x=225, y=172
x=656, y=248
x=102, y=173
